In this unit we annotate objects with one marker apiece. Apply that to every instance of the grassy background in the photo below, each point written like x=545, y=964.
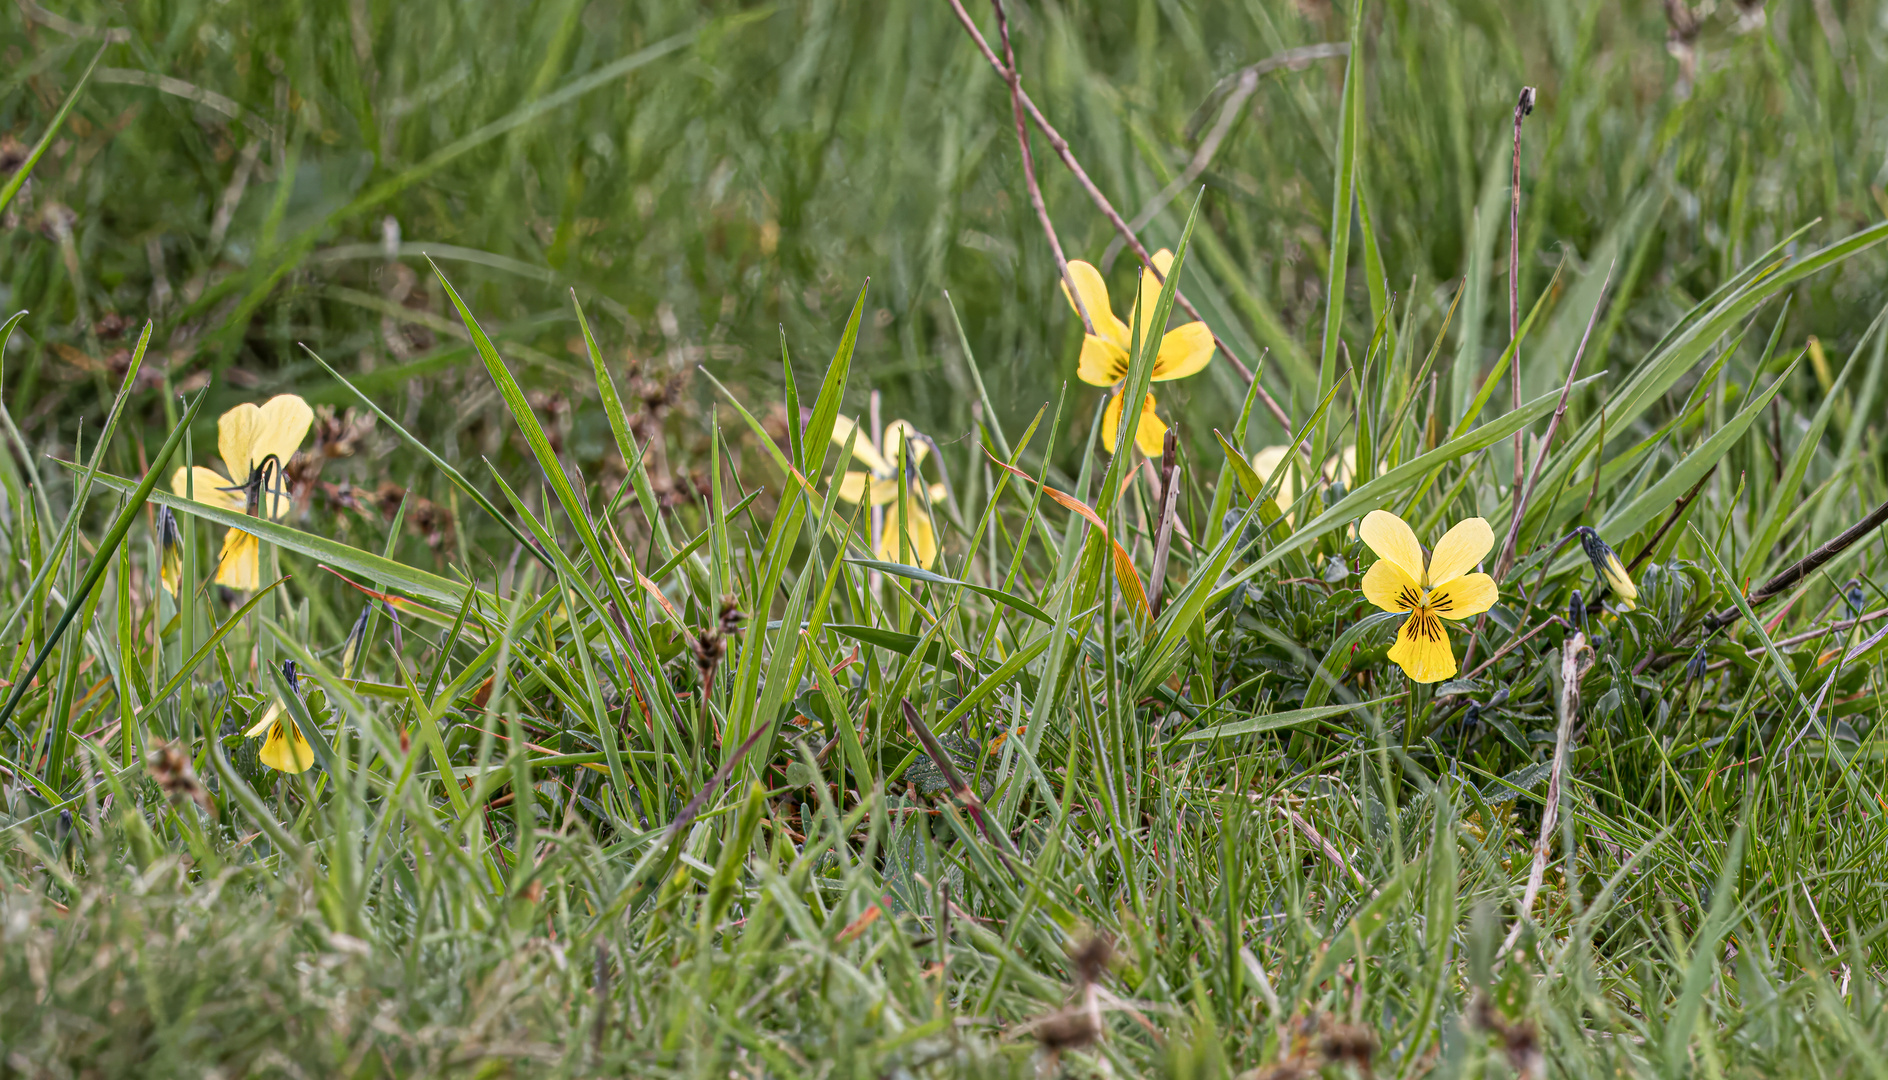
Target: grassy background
x=707, y=180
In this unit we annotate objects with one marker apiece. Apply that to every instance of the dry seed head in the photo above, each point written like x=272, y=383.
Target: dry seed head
x=1090, y=958
x=1070, y=1028
x=731, y=617
x=170, y=767
x=1351, y=1043
x=710, y=648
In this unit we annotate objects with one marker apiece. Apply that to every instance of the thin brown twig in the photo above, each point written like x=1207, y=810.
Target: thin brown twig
x=1671, y=519
x=1522, y=106
x=1245, y=83
x=1599, y=460
x=1014, y=77
x=1571, y=669
x=1330, y=850
x=1807, y=565
x=1784, y=643
x=1061, y=147
x=1515, y=644
x=1506, y=562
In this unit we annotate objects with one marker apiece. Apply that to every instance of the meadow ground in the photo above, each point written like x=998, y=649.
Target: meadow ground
x=677, y=611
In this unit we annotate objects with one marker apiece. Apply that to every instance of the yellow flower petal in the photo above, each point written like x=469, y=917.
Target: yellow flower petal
x=268, y=717
x=897, y=434
x=862, y=451
x=1388, y=587
x=286, y=749
x=1269, y=459
x=1391, y=538
x=1422, y=649
x=248, y=434
x=239, y=566
x=1149, y=297
x=1094, y=294
x=171, y=569
x=916, y=532
x=205, y=486
x=852, y=486
x=1625, y=593
x=1149, y=433
x=1459, y=550
x=884, y=490
x=1184, y=350
x=1103, y=362
x=1465, y=597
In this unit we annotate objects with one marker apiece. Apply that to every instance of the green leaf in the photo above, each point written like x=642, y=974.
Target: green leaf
x=1249, y=481
x=1783, y=500
x=102, y=557
x=915, y=574
x=1275, y=721
x=832, y=392
x=1672, y=483
x=24, y=171
x=397, y=575
x=1363, y=926
x=1669, y=361
x=903, y=644
x=458, y=479
x=1343, y=189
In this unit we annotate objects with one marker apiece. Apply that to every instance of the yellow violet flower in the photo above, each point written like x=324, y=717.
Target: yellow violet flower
x=1340, y=468
x=1443, y=589
x=170, y=551
x=1183, y=350
x=907, y=516
x=286, y=749
x=1607, y=565
x=255, y=442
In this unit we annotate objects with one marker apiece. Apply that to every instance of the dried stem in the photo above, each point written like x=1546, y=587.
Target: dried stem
x=1061, y=147
x=1522, y=106
x=1526, y=491
x=1571, y=669
x=1806, y=565
x=1671, y=519
x=1245, y=83
x=1014, y=77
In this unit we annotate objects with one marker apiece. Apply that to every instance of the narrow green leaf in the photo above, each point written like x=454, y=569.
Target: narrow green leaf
x=24, y=170
x=916, y=574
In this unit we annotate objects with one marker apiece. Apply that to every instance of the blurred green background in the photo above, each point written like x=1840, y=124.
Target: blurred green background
x=708, y=176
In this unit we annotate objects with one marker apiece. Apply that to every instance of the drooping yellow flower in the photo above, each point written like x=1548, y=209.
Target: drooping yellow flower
x=286, y=749
x=356, y=638
x=1339, y=468
x=1183, y=350
x=1606, y=563
x=1443, y=589
x=907, y=516
x=255, y=442
x=170, y=551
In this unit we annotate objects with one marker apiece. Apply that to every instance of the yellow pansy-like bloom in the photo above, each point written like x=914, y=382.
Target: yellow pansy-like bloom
x=1340, y=468
x=1442, y=589
x=1606, y=563
x=286, y=749
x=906, y=516
x=255, y=442
x=1184, y=350
x=170, y=551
